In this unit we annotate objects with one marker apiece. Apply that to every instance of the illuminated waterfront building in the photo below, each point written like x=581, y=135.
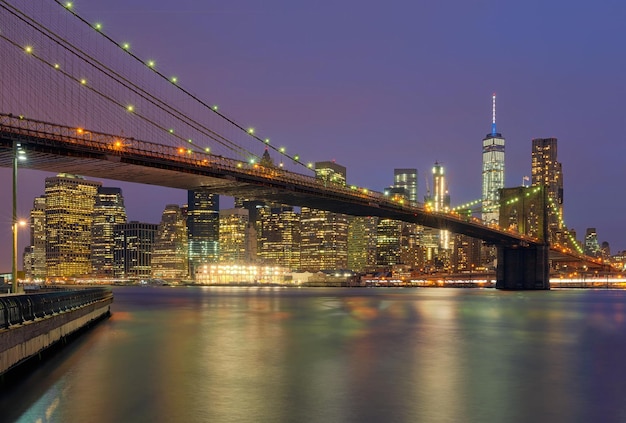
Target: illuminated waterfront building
x=465, y=254
x=109, y=211
x=278, y=236
x=323, y=234
x=407, y=179
x=202, y=227
x=548, y=172
x=234, y=233
x=35, y=264
x=133, y=250
x=169, y=254
x=362, y=243
x=493, y=171
x=388, y=239
x=69, y=212
x=324, y=240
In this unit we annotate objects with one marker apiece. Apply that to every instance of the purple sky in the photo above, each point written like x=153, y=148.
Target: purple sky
x=381, y=85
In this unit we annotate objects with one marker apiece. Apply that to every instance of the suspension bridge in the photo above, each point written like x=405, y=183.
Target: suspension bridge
x=77, y=100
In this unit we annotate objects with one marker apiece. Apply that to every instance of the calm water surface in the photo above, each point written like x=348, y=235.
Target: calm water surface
x=338, y=355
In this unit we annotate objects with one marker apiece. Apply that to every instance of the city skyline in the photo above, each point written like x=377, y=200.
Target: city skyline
x=384, y=88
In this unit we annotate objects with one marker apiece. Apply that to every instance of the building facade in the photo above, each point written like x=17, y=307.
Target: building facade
x=492, y=172
x=69, y=212
x=202, y=228
x=133, y=250
x=169, y=254
x=109, y=210
x=548, y=172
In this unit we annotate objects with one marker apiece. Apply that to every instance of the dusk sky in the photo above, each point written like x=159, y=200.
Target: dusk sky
x=381, y=85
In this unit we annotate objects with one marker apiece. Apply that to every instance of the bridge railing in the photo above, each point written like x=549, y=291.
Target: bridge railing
x=121, y=145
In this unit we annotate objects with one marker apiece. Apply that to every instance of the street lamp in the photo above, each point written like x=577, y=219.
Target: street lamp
x=18, y=154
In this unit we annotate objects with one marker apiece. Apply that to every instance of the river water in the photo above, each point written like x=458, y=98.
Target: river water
x=337, y=355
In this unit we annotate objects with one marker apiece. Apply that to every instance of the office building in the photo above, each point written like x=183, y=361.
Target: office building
x=133, y=250
x=362, y=237
x=324, y=240
x=234, y=233
x=69, y=213
x=278, y=236
x=169, y=254
x=407, y=179
x=202, y=227
x=548, y=172
x=35, y=264
x=108, y=211
x=493, y=171
x=592, y=246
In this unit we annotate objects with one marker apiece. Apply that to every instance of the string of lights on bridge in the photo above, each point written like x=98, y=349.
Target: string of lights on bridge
x=471, y=206
x=151, y=64
x=46, y=32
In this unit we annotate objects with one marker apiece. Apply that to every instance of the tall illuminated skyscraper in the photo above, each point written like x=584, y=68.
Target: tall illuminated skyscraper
x=547, y=171
x=441, y=200
x=362, y=238
x=69, y=214
x=407, y=179
x=133, y=250
x=35, y=268
x=493, y=171
x=234, y=233
x=109, y=211
x=278, y=235
x=169, y=254
x=324, y=235
x=202, y=227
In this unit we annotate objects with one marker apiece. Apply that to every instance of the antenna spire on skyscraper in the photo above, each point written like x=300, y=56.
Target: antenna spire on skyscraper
x=493, y=114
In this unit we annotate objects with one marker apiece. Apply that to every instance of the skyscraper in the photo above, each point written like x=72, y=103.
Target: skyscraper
x=324, y=235
x=407, y=179
x=362, y=243
x=35, y=267
x=108, y=211
x=441, y=200
x=202, y=227
x=234, y=235
x=548, y=172
x=493, y=171
x=133, y=249
x=278, y=234
x=169, y=253
x=69, y=211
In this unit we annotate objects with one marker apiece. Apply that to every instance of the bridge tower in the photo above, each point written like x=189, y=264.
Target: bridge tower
x=524, y=266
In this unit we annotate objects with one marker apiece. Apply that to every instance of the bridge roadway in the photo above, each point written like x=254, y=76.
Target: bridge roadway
x=56, y=148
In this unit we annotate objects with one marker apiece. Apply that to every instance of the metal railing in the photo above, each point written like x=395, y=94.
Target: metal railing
x=17, y=309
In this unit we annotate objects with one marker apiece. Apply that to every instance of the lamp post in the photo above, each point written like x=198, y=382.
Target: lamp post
x=18, y=153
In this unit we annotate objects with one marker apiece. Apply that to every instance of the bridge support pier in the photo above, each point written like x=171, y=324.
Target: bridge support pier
x=523, y=267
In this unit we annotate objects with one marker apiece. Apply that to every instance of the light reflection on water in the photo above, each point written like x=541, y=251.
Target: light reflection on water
x=338, y=355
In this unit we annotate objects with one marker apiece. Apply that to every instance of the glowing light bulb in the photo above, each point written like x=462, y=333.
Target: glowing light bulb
x=171, y=131
x=267, y=140
x=68, y=5
x=207, y=150
x=214, y=108
x=151, y=63
x=125, y=46
x=57, y=66
x=28, y=49
x=251, y=131
x=189, y=140
x=83, y=81
x=174, y=79
x=130, y=108
x=97, y=26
